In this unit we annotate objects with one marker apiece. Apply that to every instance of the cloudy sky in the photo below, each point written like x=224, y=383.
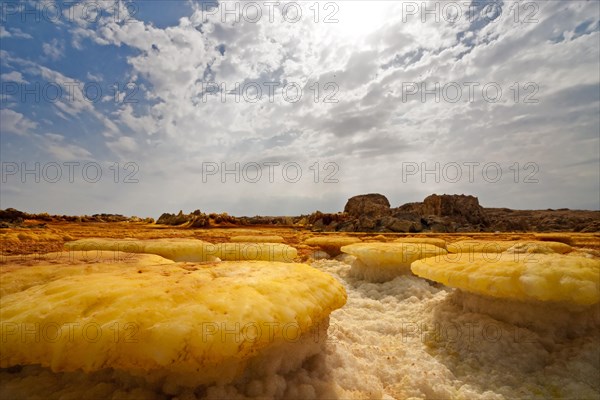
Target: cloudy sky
x=279, y=108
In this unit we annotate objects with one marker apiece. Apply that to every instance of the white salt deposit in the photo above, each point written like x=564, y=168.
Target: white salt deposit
x=404, y=338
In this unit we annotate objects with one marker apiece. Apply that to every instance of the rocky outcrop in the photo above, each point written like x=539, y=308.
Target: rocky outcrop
x=372, y=213
x=364, y=213
x=461, y=208
x=173, y=219
x=196, y=219
x=367, y=213
x=565, y=220
x=110, y=217
x=369, y=205
x=11, y=217
x=449, y=213
x=458, y=209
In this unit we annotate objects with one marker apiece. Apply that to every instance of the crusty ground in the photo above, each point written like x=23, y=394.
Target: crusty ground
x=293, y=236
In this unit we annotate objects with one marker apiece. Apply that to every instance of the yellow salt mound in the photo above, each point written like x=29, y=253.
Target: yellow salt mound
x=441, y=243
x=480, y=246
x=256, y=239
x=553, y=322
x=256, y=252
x=24, y=271
x=539, y=247
x=331, y=244
x=30, y=235
x=555, y=237
x=493, y=246
x=176, y=322
x=380, y=262
x=544, y=277
x=191, y=250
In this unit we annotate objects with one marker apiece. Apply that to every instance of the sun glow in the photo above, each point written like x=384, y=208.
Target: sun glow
x=355, y=19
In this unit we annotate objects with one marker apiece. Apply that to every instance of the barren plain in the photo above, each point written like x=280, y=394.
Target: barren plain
x=404, y=337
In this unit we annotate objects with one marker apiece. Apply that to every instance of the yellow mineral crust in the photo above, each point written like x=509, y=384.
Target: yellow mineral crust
x=191, y=250
x=256, y=239
x=331, y=244
x=32, y=235
x=539, y=247
x=380, y=262
x=480, y=246
x=555, y=237
x=434, y=241
x=489, y=246
x=18, y=273
x=189, y=323
x=536, y=277
x=256, y=252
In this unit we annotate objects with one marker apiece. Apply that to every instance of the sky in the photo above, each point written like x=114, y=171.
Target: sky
x=285, y=108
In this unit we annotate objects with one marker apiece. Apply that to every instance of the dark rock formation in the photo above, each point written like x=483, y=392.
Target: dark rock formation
x=372, y=213
x=449, y=213
x=561, y=220
x=370, y=205
x=326, y=222
x=364, y=213
x=10, y=217
x=463, y=209
x=109, y=218
x=196, y=219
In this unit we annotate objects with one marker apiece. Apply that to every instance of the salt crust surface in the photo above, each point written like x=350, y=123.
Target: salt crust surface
x=401, y=339
x=191, y=250
x=499, y=246
x=381, y=262
x=331, y=244
x=526, y=277
x=256, y=239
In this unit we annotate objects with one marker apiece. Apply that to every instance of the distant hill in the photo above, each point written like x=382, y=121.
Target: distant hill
x=365, y=213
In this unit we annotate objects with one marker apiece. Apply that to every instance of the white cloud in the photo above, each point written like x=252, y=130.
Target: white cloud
x=75, y=103
x=94, y=78
x=13, y=32
x=68, y=152
x=13, y=76
x=57, y=146
x=15, y=122
x=4, y=33
x=55, y=49
x=124, y=145
x=16, y=32
x=370, y=129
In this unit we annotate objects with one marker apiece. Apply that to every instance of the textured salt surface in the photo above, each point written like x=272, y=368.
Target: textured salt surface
x=400, y=339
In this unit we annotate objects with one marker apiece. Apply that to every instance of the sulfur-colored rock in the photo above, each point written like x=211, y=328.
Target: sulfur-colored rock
x=331, y=244
x=523, y=247
x=441, y=243
x=24, y=271
x=480, y=246
x=492, y=246
x=556, y=295
x=256, y=252
x=543, y=277
x=30, y=236
x=188, y=324
x=380, y=262
x=256, y=239
x=555, y=237
x=191, y=250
